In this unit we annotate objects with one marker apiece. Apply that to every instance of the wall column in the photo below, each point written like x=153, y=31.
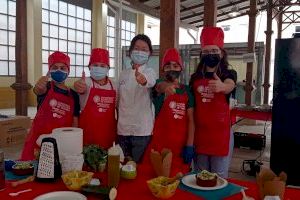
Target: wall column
x=169, y=26
x=210, y=13
x=251, y=49
x=21, y=86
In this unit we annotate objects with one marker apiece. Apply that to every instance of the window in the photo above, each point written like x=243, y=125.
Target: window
x=128, y=31
x=297, y=29
x=7, y=37
x=67, y=28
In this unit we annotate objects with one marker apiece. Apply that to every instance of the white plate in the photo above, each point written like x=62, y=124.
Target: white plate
x=190, y=181
x=61, y=195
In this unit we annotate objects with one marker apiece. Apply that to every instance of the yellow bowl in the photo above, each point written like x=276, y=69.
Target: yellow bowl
x=159, y=189
x=74, y=180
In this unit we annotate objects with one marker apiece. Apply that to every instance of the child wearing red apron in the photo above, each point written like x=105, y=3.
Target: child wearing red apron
x=212, y=84
x=58, y=106
x=98, y=102
x=174, y=109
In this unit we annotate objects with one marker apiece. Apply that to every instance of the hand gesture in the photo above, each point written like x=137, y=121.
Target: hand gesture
x=140, y=78
x=80, y=85
x=170, y=89
x=41, y=85
x=216, y=85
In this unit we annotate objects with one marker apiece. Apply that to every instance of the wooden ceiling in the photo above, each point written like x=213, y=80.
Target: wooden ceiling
x=191, y=11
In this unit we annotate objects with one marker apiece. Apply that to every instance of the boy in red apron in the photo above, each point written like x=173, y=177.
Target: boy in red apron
x=98, y=102
x=58, y=106
x=174, y=109
x=212, y=84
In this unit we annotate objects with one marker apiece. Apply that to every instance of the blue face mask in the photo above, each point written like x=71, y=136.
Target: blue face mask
x=58, y=75
x=98, y=73
x=139, y=57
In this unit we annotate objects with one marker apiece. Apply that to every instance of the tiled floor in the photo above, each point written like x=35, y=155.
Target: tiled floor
x=239, y=155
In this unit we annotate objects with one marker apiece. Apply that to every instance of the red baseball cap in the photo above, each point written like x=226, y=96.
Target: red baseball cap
x=212, y=36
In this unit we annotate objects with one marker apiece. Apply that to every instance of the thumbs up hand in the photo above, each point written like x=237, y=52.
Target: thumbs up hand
x=140, y=78
x=216, y=85
x=83, y=76
x=80, y=85
x=41, y=85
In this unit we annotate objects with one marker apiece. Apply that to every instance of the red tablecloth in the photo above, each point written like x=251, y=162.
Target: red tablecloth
x=131, y=190
x=250, y=114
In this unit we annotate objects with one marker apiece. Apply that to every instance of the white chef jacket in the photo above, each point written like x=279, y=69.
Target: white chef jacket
x=136, y=111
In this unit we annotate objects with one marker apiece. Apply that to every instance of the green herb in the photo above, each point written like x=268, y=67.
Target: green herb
x=94, y=156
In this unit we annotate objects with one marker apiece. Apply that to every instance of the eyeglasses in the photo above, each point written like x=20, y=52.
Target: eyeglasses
x=212, y=51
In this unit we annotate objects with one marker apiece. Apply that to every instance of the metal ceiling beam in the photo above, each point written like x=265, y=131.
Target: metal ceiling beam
x=243, y=10
x=290, y=17
x=279, y=3
x=219, y=8
x=227, y=5
x=136, y=5
x=158, y=7
x=222, y=14
x=192, y=7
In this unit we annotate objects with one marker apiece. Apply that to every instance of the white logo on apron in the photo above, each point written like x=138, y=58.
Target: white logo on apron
x=206, y=94
x=172, y=104
x=200, y=89
x=103, y=103
x=55, y=115
x=53, y=103
x=58, y=108
x=96, y=98
x=178, y=109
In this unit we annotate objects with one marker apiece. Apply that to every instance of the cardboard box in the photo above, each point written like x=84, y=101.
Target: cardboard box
x=269, y=184
x=13, y=130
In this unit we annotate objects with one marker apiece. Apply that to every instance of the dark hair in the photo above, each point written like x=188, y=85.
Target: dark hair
x=201, y=68
x=142, y=37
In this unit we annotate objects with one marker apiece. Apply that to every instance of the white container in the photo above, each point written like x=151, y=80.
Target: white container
x=69, y=140
x=71, y=162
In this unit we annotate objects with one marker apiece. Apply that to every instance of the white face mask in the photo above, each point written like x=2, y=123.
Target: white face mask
x=139, y=57
x=98, y=73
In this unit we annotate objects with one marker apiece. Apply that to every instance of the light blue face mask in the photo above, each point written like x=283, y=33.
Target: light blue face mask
x=98, y=73
x=139, y=57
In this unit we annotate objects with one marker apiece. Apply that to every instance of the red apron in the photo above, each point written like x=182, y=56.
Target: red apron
x=212, y=120
x=98, y=117
x=171, y=130
x=56, y=111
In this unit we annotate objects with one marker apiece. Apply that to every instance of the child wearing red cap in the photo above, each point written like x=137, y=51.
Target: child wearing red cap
x=212, y=84
x=97, y=101
x=174, y=111
x=58, y=106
